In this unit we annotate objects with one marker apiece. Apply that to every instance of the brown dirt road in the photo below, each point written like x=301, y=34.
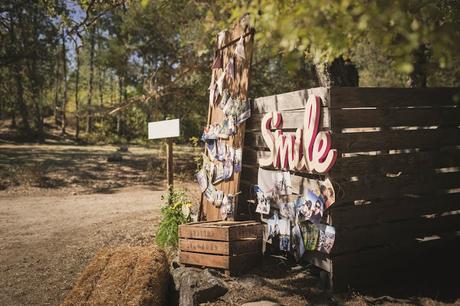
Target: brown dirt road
x=46, y=240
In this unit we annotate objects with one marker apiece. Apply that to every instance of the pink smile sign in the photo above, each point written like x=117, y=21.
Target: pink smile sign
x=307, y=149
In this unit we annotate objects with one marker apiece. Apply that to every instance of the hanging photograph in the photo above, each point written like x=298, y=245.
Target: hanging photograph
x=326, y=238
x=287, y=210
x=297, y=242
x=284, y=226
x=310, y=207
x=310, y=235
x=327, y=193
x=276, y=182
x=202, y=179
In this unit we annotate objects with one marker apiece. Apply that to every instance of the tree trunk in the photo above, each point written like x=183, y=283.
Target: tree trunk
x=89, y=121
x=77, y=81
x=120, y=99
x=101, y=93
x=64, y=72
x=417, y=79
x=339, y=73
x=56, y=89
x=35, y=87
x=19, y=85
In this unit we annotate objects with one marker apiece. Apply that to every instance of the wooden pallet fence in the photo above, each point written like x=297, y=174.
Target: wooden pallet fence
x=396, y=178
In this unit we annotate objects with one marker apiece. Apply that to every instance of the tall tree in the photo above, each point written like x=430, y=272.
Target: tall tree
x=64, y=74
x=77, y=88
x=89, y=110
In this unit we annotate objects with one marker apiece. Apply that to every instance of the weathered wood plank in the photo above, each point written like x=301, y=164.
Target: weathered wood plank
x=245, y=246
x=383, y=140
x=242, y=263
x=349, y=97
x=245, y=232
x=206, y=260
x=436, y=258
x=373, y=165
x=391, y=187
x=289, y=101
x=291, y=120
x=204, y=246
x=387, y=233
x=195, y=232
x=388, y=117
x=389, y=210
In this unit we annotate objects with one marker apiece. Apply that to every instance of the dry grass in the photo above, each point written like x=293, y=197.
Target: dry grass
x=124, y=275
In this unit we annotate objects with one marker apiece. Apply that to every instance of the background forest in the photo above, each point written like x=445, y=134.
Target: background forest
x=100, y=70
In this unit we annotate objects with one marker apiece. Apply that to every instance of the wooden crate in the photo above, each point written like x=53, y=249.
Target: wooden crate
x=233, y=246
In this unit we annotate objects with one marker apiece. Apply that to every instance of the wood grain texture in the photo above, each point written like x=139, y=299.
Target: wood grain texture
x=350, y=97
x=392, y=232
x=394, y=117
x=238, y=87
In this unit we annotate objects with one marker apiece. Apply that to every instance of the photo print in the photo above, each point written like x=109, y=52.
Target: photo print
x=219, y=173
x=210, y=193
x=310, y=235
x=326, y=238
x=202, y=179
x=287, y=210
x=297, y=242
x=263, y=201
x=284, y=226
x=221, y=150
x=327, y=193
x=275, y=182
x=226, y=209
x=310, y=207
x=322, y=189
x=273, y=229
x=238, y=158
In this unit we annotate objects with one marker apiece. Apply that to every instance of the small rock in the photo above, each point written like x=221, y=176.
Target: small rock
x=123, y=148
x=115, y=157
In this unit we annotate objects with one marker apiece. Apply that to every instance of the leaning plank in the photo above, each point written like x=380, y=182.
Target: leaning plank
x=344, y=97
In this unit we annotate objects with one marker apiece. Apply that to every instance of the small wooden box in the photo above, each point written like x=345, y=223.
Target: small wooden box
x=232, y=246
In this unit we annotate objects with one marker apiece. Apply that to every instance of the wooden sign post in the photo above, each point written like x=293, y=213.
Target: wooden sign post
x=166, y=129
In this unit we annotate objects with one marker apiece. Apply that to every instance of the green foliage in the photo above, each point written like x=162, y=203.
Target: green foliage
x=325, y=30
x=176, y=203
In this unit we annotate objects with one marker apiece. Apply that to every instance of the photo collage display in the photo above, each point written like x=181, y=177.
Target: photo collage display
x=295, y=225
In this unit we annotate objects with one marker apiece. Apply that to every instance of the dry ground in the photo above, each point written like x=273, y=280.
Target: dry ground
x=59, y=204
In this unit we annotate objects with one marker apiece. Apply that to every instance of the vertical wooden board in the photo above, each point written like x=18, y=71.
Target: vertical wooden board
x=238, y=87
x=206, y=260
x=204, y=246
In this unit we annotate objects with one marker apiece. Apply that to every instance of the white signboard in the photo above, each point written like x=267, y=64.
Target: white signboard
x=164, y=129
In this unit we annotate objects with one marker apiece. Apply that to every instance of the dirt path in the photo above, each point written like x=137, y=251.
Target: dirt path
x=46, y=240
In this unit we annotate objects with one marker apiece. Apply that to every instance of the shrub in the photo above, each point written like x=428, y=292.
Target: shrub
x=174, y=212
